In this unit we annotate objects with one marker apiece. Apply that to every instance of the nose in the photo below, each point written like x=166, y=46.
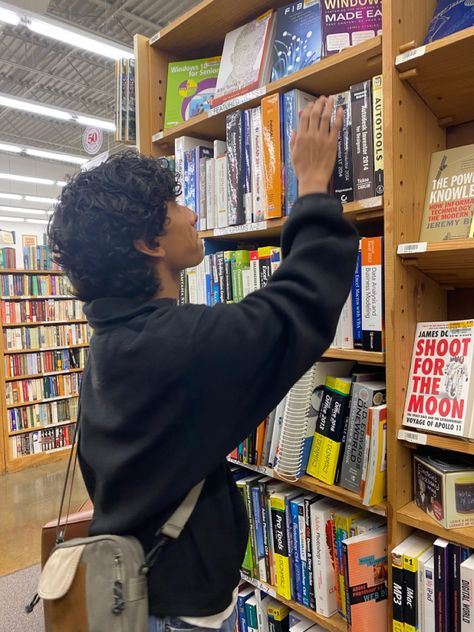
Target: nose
x=194, y=218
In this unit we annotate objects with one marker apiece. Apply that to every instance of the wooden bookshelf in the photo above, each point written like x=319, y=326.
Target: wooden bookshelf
x=441, y=73
x=414, y=439
x=8, y=462
x=450, y=263
x=427, y=95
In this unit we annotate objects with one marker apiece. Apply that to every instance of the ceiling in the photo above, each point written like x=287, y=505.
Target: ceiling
x=41, y=69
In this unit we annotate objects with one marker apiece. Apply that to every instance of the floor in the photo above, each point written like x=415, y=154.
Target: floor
x=29, y=499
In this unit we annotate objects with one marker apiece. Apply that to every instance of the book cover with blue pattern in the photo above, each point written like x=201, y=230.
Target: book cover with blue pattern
x=450, y=16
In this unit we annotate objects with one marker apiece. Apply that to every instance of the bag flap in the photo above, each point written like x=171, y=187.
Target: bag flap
x=59, y=571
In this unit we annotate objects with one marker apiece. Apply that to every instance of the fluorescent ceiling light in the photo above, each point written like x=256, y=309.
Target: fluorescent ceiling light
x=61, y=183
x=11, y=196
x=16, y=178
x=34, y=108
x=27, y=211
x=12, y=219
x=36, y=221
x=57, y=113
x=10, y=17
x=52, y=155
x=73, y=37
x=11, y=148
x=39, y=199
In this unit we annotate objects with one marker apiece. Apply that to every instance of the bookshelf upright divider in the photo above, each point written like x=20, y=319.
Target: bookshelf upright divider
x=60, y=378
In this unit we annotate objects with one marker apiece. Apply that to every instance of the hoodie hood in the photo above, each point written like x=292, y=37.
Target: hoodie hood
x=104, y=313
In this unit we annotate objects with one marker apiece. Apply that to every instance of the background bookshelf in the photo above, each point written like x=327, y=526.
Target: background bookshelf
x=428, y=106
x=16, y=371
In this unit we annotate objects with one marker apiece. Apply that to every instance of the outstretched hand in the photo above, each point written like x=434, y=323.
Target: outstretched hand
x=313, y=147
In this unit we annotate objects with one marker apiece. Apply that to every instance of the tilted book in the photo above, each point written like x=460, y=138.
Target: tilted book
x=449, y=17
x=449, y=200
x=440, y=393
x=342, y=179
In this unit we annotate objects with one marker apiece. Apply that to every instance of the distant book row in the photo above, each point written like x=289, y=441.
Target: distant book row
x=32, y=311
x=311, y=549
x=44, y=362
x=34, y=258
x=34, y=285
x=31, y=391
x=258, y=612
x=42, y=441
x=275, y=45
x=18, y=338
x=125, y=102
x=47, y=414
x=250, y=177
x=432, y=585
x=329, y=426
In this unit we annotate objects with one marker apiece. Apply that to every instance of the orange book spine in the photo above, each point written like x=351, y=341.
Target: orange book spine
x=272, y=163
x=259, y=439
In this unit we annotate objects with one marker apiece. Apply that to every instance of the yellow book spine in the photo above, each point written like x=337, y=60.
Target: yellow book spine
x=272, y=168
x=280, y=542
x=379, y=492
x=328, y=463
x=313, y=462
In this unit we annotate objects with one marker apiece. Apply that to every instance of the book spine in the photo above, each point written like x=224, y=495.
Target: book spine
x=235, y=175
x=342, y=450
x=410, y=593
x=397, y=593
x=303, y=554
x=324, y=561
x=189, y=180
x=377, y=104
x=454, y=564
x=292, y=547
x=290, y=122
x=247, y=165
x=309, y=552
x=467, y=598
x=441, y=586
x=253, y=538
x=332, y=438
x=428, y=596
x=280, y=547
x=342, y=181
x=241, y=613
x=373, y=294
x=357, y=303
x=345, y=565
x=258, y=184
x=351, y=470
x=251, y=615
x=210, y=194
x=247, y=563
x=221, y=276
x=265, y=269
x=298, y=581
x=272, y=155
x=257, y=513
x=221, y=191
x=362, y=141
x=228, y=296
x=265, y=529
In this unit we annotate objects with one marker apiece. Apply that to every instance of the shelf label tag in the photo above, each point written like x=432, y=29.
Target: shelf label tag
x=371, y=202
x=410, y=54
x=261, y=586
x=156, y=137
x=414, y=248
x=413, y=437
x=242, y=228
x=238, y=101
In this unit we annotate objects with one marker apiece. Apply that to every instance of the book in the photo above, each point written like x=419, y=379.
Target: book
x=259, y=532
x=342, y=180
x=374, y=485
x=444, y=488
x=439, y=394
x=280, y=541
x=296, y=570
x=245, y=592
x=190, y=88
x=441, y=584
x=235, y=169
x=211, y=194
x=297, y=42
x=246, y=59
x=362, y=141
x=363, y=396
x=346, y=24
x=357, y=302
x=251, y=614
x=182, y=145
x=308, y=501
x=344, y=519
x=201, y=155
x=372, y=282
x=449, y=17
x=278, y=616
x=220, y=184
x=294, y=102
x=422, y=561
x=366, y=580
x=449, y=200
x=467, y=594
x=377, y=120
x=411, y=596
x=247, y=165
x=272, y=111
x=456, y=555
x=428, y=595
x=256, y=149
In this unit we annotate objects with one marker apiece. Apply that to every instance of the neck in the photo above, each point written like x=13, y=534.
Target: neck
x=169, y=283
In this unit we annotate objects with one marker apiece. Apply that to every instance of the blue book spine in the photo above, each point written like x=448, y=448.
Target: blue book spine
x=290, y=122
x=449, y=17
x=201, y=154
x=247, y=165
x=257, y=510
x=357, y=303
x=303, y=554
x=190, y=180
x=242, y=616
x=208, y=277
x=296, y=561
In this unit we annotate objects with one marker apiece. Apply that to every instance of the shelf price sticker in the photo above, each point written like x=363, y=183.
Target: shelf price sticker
x=260, y=585
x=413, y=437
x=412, y=249
x=242, y=228
x=371, y=202
x=238, y=101
x=410, y=54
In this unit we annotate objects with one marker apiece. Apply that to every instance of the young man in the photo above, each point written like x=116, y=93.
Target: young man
x=169, y=391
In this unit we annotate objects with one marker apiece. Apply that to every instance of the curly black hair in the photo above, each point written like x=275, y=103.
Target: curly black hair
x=99, y=215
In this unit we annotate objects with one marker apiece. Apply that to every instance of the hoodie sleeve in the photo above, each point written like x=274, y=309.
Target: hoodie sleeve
x=247, y=356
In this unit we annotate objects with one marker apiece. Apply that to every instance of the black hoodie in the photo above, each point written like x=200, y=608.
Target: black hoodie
x=169, y=391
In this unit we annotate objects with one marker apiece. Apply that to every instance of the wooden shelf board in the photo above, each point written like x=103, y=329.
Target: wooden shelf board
x=330, y=75
x=436, y=441
x=360, y=211
x=201, y=30
x=15, y=378
x=451, y=263
x=15, y=433
x=311, y=484
x=334, y=624
x=413, y=516
x=20, y=271
x=45, y=322
x=441, y=73
x=41, y=297
x=13, y=351
x=42, y=401
x=358, y=355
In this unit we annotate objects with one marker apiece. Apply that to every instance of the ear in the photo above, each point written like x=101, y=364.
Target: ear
x=156, y=251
